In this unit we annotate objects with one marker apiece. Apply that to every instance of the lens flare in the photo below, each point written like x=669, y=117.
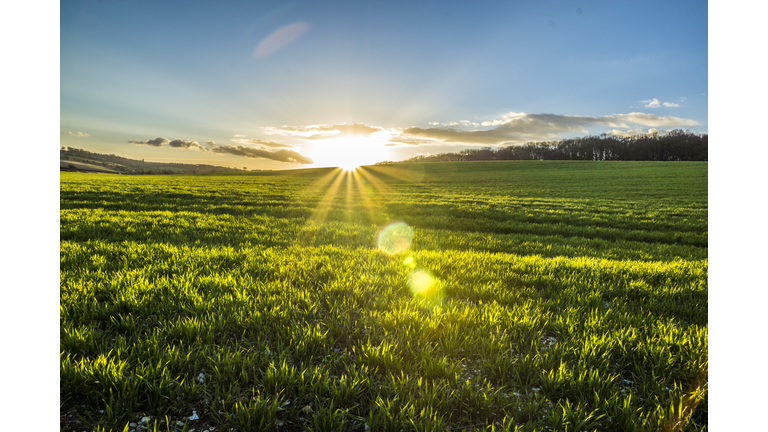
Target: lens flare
x=426, y=289
x=394, y=238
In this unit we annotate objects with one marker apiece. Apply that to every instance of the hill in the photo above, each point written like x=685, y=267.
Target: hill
x=75, y=159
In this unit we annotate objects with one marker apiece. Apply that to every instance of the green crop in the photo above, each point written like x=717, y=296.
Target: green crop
x=521, y=296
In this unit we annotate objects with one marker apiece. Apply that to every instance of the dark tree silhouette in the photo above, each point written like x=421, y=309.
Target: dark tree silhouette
x=676, y=145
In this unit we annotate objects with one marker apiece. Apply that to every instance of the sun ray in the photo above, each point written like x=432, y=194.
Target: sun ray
x=308, y=233
x=373, y=209
x=349, y=199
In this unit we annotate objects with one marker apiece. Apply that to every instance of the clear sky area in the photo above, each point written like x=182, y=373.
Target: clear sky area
x=282, y=85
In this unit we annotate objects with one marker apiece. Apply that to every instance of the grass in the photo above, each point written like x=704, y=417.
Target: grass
x=526, y=296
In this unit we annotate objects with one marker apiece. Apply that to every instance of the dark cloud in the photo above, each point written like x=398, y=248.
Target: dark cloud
x=157, y=142
x=279, y=155
x=181, y=143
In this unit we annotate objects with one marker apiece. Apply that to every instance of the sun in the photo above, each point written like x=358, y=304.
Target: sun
x=351, y=166
x=349, y=153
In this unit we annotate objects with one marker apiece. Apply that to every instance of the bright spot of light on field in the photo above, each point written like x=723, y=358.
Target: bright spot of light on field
x=409, y=262
x=394, y=238
x=421, y=283
x=425, y=288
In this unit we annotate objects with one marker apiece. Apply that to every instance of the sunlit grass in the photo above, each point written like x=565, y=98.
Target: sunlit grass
x=536, y=297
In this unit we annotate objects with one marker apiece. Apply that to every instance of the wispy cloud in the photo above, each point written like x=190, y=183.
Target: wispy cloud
x=465, y=123
x=157, y=142
x=654, y=120
x=79, y=134
x=280, y=38
x=265, y=143
x=671, y=105
x=399, y=140
x=254, y=153
x=210, y=143
x=325, y=131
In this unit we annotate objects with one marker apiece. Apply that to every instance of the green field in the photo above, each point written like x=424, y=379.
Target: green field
x=529, y=296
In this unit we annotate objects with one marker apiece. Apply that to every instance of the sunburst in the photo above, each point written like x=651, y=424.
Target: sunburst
x=349, y=153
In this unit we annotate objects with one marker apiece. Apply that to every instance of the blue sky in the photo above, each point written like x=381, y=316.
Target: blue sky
x=281, y=85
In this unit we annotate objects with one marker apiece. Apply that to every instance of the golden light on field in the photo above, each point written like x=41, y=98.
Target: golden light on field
x=425, y=288
x=329, y=183
x=421, y=283
x=346, y=192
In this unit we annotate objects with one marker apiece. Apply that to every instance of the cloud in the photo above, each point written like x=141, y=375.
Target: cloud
x=396, y=141
x=636, y=132
x=177, y=143
x=654, y=120
x=265, y=143
x=79, y=134
x=682, y=99
x=157, y=142
x=249, y=152
x=653, y=103
x=325, y=131
x=625, y=134
x=518, y=128
x=181, y=143
x=210, y=143
x=280, y=38
x=453, y=135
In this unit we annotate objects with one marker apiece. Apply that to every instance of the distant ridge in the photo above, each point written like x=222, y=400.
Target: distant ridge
x=81, y=159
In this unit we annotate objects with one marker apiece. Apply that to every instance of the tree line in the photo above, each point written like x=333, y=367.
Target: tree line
x=676, y=145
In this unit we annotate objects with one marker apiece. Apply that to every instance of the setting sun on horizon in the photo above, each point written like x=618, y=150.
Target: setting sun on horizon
x=348, y=152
